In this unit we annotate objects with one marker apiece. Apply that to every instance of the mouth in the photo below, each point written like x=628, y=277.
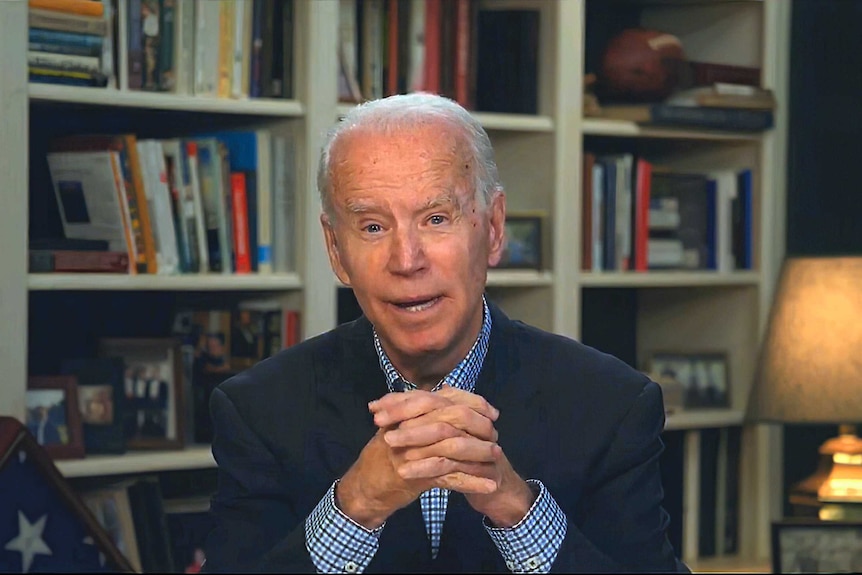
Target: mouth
x=416, y=305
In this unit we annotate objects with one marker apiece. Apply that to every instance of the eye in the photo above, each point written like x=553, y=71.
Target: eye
x=437, y=219
x=373, y=228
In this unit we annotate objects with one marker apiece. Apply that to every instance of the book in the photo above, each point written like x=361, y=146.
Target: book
x=732, y=119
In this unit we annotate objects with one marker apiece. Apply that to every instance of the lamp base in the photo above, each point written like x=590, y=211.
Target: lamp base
x=837, y=480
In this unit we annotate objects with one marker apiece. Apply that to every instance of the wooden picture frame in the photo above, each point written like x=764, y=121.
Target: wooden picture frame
x=53, y=417
x=523, y=242
x=692, y=380
x=23, y=459
x=153, y=386
x=806, y=545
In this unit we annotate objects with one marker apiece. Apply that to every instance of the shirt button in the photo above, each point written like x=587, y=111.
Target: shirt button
x=511, y=565
x=533, y=563
x=351, y=567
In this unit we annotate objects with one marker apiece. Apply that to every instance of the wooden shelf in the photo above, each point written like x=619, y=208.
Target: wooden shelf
x=704, y=418
x=163, y=101
x=624, y=129
x=502, y=122
x=519, y=278
x=195, y=457
x=190, y=282
x=668, y=279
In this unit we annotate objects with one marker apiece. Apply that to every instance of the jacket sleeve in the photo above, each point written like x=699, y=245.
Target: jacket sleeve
x=258, y=524
x=619, y=524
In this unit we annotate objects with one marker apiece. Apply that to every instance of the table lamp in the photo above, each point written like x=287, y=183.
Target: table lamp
x=810, y=369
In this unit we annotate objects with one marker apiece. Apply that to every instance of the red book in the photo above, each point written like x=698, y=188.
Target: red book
x=433, y=14
x=462, y=53
x=239, y=200
x=642, y=194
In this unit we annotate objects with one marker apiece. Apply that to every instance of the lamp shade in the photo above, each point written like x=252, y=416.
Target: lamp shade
x=810, y=369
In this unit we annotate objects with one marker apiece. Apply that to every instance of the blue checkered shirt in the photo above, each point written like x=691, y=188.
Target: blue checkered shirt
x=337, y=544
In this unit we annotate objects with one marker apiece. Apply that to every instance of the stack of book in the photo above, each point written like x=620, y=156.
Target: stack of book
x=70, y=42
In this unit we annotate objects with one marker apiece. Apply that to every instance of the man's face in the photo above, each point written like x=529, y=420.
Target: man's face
x=411, y=240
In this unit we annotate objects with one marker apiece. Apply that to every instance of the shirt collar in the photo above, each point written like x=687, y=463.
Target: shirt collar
x=463, y=376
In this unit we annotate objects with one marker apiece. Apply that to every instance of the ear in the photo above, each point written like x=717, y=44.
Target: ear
x=332, y=250
x=496, y=228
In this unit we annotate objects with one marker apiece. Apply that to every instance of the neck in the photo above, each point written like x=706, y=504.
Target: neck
x=426, y=370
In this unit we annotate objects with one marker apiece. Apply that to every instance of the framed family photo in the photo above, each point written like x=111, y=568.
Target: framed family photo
x=52, y=415
x=811, y=546
x=692, y=380
x=523, y=242
x=152, y=389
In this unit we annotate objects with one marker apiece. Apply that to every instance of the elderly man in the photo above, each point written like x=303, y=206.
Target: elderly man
x=433, y=433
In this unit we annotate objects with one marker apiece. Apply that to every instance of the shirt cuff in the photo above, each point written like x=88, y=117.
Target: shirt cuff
x=337, y=543
x=531, y=545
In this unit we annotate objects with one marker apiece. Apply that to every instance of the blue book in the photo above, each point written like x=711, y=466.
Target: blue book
x=40, y=35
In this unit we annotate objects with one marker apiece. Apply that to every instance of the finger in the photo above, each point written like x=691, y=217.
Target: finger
x=466, y=449
x=472, y=400
x=459, y=417
x=464, y=483
x=434, y=467
x=390, y=411
x=429, y=433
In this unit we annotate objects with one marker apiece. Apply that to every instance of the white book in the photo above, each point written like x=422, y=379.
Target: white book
x=159, y=200
x=64, y=61
x=123, y=45
x=108, y=45
x=725, y=191
x=241, y=49
x=184, y=46
x=598, y=216
x=207, y=18
x=86, y=190
x=200, y=216
x=183, y=202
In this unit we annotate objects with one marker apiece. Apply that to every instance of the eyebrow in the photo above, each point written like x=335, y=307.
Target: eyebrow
x=363, y=206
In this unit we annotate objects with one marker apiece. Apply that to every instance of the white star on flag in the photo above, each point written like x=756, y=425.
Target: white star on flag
x=29, y=541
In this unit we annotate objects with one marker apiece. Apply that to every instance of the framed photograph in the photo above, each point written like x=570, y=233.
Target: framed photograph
x=52, y=415
x=111, y=508
x=152, y=389
x=692, y=380
x=811, y=546
x=523, y=242
x=101, y=402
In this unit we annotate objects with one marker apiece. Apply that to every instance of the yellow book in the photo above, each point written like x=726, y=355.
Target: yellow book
x=82, y=7
x=227, y=25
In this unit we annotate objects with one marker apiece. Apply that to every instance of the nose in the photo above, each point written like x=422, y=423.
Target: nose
x=407, y=252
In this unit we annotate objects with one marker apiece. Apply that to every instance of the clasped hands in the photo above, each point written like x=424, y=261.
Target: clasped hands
x=442, y=439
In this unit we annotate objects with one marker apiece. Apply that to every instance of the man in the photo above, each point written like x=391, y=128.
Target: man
x=434, y=433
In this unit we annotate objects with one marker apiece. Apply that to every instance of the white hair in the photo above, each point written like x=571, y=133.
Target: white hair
x=406, y=110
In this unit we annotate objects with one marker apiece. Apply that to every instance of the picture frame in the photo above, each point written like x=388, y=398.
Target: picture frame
x=52, y=415
x=112, y=509
x=153, y=387
x=101, y=402
x=692, y=380
x=523, y=242
x=807, y=545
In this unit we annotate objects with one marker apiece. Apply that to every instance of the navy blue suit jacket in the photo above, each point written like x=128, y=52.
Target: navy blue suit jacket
x=584, y=423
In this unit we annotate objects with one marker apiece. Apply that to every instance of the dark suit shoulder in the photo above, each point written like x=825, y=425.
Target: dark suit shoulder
x=600, y=385
x=285, y=385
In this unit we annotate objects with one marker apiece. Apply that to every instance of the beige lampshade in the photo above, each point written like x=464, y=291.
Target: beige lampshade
x=810, y=368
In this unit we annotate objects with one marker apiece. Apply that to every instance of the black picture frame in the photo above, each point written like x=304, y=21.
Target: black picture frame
x=101, y=402
x=522, y=248
x=807, y=545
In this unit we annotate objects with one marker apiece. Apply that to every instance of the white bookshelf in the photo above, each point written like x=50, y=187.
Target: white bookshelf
x=540, y=165
x=163, y=101
x=190, y=282
x=194, y=457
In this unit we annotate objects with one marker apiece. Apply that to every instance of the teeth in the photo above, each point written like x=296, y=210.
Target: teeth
x=419, y=306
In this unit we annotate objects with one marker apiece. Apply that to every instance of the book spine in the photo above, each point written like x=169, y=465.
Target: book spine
x=64, y=49
x=714, y=118
x=65, y=38
x=135, y=46
x=62, y=22
x=152, y=39
x=81, y=7
x=71, y=62
x=240, y=222
x=167, y=47
x=86, y=261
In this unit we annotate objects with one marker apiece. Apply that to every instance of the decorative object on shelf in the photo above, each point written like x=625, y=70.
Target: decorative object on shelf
x=46, y=527
x=805, y=546
x=523, y=242
x=809, y=370
x=53, y=417
x=703, y=378
x=154, y=390
x=641, y=65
